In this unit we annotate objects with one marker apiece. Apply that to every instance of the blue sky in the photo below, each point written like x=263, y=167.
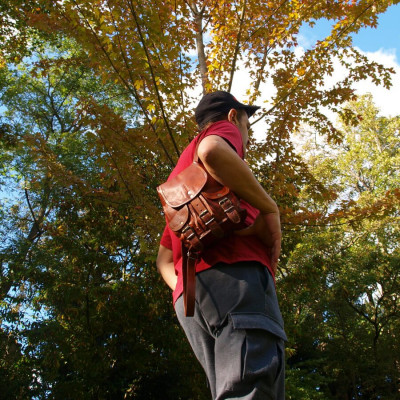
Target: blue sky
x=385, y=36
x=381, y=44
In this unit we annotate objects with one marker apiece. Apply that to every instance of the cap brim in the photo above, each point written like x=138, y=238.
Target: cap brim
x=250, y=110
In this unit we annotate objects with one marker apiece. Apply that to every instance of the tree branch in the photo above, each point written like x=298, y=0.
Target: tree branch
x=118, y=169
x=160, y=102
x=237, y=46
x=136, y=94
x=201, y=55
x=130, y=89
x=35, y=230
x=307, y=78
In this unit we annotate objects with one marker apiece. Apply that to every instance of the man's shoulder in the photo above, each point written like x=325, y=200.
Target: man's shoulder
x=229, y=132
x=223, y=129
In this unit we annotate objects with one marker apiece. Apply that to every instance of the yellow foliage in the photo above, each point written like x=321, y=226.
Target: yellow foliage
x=151, y=108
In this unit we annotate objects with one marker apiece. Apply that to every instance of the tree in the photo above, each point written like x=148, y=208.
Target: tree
x=79, y=286
x=341, y=288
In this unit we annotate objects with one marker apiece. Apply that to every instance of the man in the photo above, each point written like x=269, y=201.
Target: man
x=237, y=329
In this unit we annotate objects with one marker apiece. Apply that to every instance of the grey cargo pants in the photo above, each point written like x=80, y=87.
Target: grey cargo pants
x=237, y=332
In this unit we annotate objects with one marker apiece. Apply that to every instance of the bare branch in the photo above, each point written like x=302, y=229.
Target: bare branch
x=35, y=230
x=201, y=55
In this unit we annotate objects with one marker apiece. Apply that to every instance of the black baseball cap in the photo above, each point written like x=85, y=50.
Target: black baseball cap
x=218, y=103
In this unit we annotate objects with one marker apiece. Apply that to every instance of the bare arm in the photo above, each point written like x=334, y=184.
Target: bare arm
x=224, y=165
x=165, y=266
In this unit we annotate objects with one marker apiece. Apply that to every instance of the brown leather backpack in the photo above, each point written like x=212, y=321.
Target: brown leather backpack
x=200, y=211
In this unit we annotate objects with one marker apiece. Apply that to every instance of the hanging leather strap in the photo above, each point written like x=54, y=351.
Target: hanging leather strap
x=189, y=260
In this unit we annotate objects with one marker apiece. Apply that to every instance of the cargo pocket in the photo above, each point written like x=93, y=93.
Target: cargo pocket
x=228, y=360
x=262, y=349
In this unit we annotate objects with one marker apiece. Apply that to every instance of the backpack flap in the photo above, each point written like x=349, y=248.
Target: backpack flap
x=183, y=187
x=180, y=190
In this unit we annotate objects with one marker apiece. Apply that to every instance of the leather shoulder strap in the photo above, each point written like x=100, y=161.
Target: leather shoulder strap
x=200, y=138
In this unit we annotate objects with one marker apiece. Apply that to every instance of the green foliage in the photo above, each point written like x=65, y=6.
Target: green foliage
x=341, y=279
x=84, y=313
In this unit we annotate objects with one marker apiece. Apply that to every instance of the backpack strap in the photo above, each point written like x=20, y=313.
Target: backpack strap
x=200, y=138
x=189, y=261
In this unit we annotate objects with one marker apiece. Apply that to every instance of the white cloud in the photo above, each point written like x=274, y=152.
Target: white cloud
x=387, y=100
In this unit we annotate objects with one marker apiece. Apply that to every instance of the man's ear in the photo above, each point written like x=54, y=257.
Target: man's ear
x=232, y=116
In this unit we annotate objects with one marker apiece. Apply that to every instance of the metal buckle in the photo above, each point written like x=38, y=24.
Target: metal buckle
x=230, y=205
x=203, y=213
x=191, y=235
